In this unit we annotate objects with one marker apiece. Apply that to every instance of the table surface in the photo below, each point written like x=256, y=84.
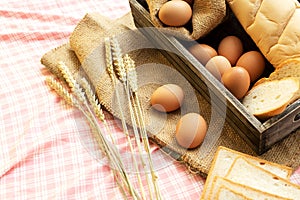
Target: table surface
x=43, y=154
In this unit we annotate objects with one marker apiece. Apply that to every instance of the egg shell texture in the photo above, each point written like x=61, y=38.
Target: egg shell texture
x=253, y=62
x=203, y=52
x=191, y=130
x=167, y=98
x=175, y=13
x=232, y=48
x=237, y=81
x=217, y=66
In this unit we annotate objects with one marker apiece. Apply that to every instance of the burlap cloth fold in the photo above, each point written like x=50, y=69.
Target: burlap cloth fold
x=86, y=52
x=206, y=16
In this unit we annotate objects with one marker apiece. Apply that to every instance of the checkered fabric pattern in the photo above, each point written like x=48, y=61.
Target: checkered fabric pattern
x=45, y=151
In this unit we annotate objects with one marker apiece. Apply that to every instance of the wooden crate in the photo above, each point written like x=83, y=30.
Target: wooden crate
x=259, y=135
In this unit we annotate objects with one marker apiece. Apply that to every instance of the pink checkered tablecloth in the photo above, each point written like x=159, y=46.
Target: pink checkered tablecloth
x=43, y=154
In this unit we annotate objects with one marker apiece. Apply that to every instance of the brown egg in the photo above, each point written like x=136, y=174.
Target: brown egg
x=232, y=48
x=175, y=13
x=191, y=130
x=253, y=62
x=237, y=81
x=202, y=52
x=217, y=66
x=167, y=98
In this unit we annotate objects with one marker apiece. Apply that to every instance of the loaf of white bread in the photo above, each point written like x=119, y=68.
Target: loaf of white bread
x=234, y=175
x=273, y=25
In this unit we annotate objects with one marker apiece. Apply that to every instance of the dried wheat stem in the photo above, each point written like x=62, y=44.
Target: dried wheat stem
x=114, y=58
x=112, y=154
x=114, y=157
x=132, y=82
x=138, y=139
x=145, y=140
x=121, y=72
x=131, y=86
x=141, y=124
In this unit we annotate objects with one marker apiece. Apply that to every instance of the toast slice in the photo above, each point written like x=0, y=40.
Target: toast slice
x=246, y=191
x=288, y=68
x=223, y=159
x=246, y=173
x=270, y=98
x=225, y=193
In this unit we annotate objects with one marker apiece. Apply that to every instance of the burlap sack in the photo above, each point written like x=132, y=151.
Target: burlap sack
x=206, y=16
x=88, y=54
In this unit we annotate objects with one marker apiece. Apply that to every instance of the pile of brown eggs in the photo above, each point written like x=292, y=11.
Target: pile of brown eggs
x=229, y=64
x=191, y=128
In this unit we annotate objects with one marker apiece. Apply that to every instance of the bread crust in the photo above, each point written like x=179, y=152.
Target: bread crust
x=235, y=193
x=287, y=171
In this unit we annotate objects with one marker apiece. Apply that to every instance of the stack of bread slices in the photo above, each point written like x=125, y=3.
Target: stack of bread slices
x=234, y=175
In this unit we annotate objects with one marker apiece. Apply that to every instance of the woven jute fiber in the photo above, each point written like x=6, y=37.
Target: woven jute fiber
x=85, y=52
x=206, y=16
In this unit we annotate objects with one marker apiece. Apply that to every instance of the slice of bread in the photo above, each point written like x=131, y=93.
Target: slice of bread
x=225, y=193
x=223, y=159
x=246, y=191
x=288, y=68
x=270, y=98
x=246, y=173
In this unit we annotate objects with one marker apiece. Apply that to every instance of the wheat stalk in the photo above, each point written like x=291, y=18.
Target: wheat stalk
x=77, y=99
x=114, y=55
x=136, y=114
x=133, y=86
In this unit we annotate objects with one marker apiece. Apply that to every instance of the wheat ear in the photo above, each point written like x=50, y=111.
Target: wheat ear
x=61, y=91
x=92, y=99
x=131, y=73
x=75, y=88
x=118, y=60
